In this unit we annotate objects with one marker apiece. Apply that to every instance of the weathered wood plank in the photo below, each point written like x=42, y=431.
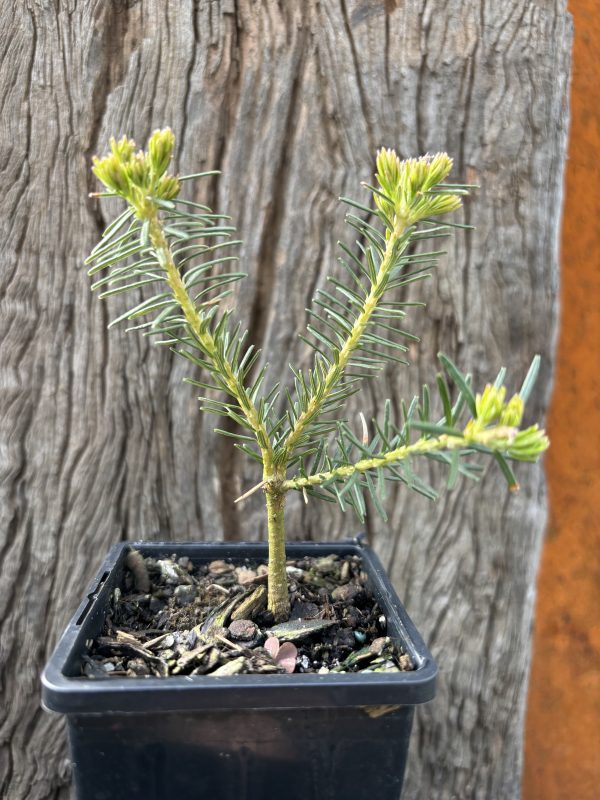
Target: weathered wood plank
x=290, y=100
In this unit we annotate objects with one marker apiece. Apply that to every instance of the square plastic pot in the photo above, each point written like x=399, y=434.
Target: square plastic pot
x=244, y=737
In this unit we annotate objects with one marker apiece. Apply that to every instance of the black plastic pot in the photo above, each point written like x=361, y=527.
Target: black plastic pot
x=245, y=737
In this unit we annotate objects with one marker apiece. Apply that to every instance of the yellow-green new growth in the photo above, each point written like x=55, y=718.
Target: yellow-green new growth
x=490, y=404
x=512, y=412
x=504, y=417
x=408, y=188
x=139, y=177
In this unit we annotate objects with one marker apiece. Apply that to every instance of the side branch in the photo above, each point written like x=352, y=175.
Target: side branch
x=206, y=340
x=336, y=370
x=498, y=439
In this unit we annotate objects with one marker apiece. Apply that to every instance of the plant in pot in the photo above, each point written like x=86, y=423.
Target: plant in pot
x=252, y=670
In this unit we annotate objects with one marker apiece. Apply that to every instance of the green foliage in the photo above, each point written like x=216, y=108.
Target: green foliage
x=176, y=260
x=183, y=257
x=356, y=468
x=354, y=328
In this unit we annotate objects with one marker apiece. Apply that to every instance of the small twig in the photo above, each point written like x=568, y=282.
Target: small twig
x=365, y=429
x=149, y=645
x=250, y=491
x=232, y=645
x=218, y=588
x=128, y=638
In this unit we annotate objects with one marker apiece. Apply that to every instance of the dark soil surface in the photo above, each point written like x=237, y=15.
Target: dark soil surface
x=174, y=617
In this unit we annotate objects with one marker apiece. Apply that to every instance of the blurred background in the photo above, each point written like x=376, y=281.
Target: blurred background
x=562, y=755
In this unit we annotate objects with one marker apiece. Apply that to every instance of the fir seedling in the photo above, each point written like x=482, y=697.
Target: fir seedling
x=182, y=255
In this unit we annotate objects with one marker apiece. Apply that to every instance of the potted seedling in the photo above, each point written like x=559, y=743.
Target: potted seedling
x=252, y=670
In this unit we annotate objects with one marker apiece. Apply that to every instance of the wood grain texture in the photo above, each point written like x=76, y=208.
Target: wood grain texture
x=562, y=739
x=99, y=441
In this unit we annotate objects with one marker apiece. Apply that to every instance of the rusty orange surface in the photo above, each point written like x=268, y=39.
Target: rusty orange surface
x=562, y=746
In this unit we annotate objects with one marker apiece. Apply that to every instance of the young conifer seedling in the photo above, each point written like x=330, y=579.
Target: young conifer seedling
x=180, y=254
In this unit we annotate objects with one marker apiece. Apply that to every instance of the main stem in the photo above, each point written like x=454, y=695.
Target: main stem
x=278, y=602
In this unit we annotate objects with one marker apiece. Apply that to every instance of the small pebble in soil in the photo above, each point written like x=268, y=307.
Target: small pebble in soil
x=294, y=573
x=405, y=663
x=326, y=564
x=184, y=595
x=243, y=630
x=155, y=605
x=377, y=645
x=172, y=572
x=220, y=567
x=304, y=663
x=349, y=593
x=245, y=575
x=138, y=667
x=346, y=638
x=302, y=610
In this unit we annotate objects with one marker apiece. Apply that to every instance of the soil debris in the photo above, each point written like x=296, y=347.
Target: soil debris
x=174, y=616
x=136, y=564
